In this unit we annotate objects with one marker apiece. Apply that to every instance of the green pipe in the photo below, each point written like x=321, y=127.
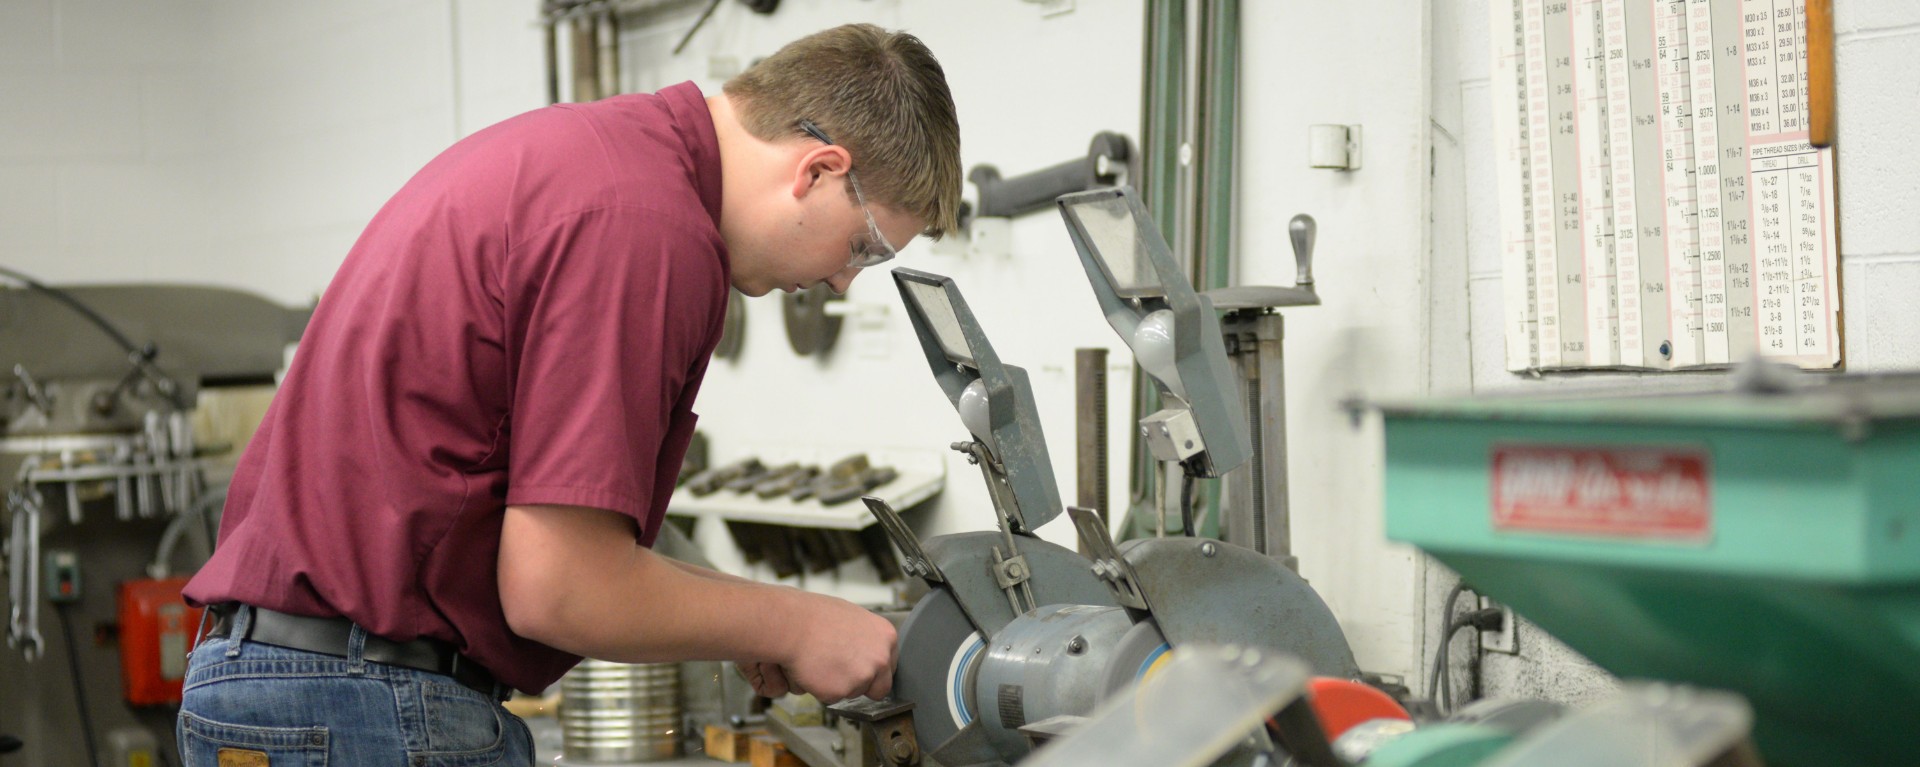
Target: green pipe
x=1217, y=102
x=1218, y=108
x=1162, y=101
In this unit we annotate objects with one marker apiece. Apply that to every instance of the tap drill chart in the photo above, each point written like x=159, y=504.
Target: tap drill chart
x=1661, y=207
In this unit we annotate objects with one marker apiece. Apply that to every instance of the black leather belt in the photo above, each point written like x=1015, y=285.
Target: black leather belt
x=328, y=636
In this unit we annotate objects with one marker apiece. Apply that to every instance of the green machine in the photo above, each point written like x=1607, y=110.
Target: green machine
x=1763, y=540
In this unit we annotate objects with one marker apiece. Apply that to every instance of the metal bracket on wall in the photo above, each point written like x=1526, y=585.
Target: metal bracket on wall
x=762, y=7
x=1107, y=156
x=812, y=324
x=733, y=334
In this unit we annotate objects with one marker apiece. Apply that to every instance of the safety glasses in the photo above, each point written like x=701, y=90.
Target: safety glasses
x=869, y=248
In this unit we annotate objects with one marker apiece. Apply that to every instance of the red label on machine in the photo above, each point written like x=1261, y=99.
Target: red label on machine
x=1615, y=492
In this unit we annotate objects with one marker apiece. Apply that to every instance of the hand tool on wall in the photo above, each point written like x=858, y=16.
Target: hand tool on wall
x=733, y=333
x=710, y=481
x=1105, y=161
x=778, y=484
x=812, y=323
x=23, y=573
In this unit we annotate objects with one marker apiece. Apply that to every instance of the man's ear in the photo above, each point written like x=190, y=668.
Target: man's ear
x=817, y=165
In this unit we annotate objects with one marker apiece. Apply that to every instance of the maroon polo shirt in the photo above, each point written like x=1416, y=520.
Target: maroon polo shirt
x=526, y=322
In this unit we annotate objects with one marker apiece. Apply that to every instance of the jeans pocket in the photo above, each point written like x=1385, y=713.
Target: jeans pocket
x=464, y=727
x=207, y=743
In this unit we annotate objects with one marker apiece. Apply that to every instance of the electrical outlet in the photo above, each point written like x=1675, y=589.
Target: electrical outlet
x=1505, y=640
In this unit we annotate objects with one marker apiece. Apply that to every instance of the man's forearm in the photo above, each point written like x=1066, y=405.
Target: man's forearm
x=704, y=572
x=574, y=579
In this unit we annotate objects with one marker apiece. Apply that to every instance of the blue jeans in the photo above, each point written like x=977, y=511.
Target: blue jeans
x=300, y=708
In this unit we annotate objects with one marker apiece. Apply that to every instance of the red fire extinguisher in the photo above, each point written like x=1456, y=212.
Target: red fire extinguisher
x=157, y=629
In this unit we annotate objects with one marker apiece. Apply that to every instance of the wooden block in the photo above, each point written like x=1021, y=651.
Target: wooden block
x=728, y=744
x=768, y=751
x=1822, y=124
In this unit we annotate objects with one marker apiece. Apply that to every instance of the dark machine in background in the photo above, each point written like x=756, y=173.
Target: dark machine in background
x=111, y=496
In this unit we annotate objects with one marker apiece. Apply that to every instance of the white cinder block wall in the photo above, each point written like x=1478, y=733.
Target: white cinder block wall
x=235, y=143
x=97, y=157
x=1878, y=94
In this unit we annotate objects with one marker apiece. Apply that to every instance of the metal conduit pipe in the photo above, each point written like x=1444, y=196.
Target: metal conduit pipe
x=1216, y=109
x=607, y=34
x=551, y=43
x=593, y=44
x=1207, y=233
x=1163, y=96
x=584, y=45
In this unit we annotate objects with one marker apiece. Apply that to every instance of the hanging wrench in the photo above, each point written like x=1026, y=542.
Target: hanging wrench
x=122, y=484
x=16, y=573
x=33, y=645
x=180, y=435
x=23, y=565
x=159, y=449
x=67, y=465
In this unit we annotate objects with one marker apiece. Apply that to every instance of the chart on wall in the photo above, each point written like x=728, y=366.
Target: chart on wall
x=1660, y=205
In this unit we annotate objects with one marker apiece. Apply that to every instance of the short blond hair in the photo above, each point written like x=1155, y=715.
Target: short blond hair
x=880, y=94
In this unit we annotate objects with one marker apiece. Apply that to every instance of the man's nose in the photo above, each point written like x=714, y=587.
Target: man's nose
x=840, y=280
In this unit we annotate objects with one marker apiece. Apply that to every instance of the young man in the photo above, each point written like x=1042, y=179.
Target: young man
x=453, y=493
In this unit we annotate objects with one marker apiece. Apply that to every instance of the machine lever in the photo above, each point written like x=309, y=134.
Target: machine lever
x=1302, y=230
x=914, y=559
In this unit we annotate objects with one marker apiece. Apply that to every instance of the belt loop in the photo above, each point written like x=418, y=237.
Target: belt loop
x=199, y=634
x=242, y=625
x=357, y=649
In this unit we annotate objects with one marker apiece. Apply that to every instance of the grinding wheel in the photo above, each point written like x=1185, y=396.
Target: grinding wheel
x=1206, y=592
x=810, y=329
x=1140, y=652
x=939, y=653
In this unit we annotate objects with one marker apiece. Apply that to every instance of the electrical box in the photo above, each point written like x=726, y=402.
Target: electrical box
x=63, y=576
x=157, y=628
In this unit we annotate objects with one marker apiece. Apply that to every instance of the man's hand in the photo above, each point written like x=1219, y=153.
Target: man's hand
x=768, y=679
x=840, y=651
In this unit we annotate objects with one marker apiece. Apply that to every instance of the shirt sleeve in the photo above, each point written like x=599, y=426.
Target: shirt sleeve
x=611, y=315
